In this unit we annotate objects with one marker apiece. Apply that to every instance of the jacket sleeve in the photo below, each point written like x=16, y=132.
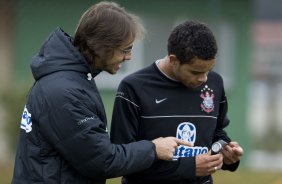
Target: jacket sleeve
x=77, y=133
x=124, y=129
x=222, y=121
x=220, y=133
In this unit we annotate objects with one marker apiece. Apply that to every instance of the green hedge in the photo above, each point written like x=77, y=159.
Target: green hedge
x=13, y=100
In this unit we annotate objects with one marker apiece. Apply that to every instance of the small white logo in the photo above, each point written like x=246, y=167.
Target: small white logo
x=26, y=121
x=159, y=101
x=89, y=76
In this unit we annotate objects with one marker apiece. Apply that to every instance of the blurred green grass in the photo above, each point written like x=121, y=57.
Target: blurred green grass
x=242, y=176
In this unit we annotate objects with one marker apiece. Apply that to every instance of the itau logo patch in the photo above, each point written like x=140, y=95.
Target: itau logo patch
x=186, y=131
x=26, y=121
x=207, y=95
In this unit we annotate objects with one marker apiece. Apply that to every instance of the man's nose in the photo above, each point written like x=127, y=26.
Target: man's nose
x=203, y=78
x=127, y=56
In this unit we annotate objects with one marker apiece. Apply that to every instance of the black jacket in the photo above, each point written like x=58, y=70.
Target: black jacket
x=63, y=137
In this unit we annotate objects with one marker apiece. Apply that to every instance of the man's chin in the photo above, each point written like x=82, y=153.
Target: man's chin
x=112, y=72
x=193, y=86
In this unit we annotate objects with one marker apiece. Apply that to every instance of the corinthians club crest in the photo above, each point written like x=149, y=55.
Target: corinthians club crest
x=207, y=95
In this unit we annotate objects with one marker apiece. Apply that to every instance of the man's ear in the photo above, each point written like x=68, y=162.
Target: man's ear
x=173, y=60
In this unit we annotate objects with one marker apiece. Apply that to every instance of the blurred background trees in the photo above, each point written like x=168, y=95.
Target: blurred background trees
x=249, y=35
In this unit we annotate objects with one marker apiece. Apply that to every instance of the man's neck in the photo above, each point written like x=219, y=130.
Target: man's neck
x=165, y=67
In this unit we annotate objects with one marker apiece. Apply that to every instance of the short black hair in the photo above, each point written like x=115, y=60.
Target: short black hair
x=190, y=40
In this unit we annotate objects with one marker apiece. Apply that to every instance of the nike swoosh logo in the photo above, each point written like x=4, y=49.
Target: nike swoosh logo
x=159, y=101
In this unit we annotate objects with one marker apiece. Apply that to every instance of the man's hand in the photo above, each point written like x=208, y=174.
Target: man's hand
x=207, y=164
x=165, y=147
x=232, y=153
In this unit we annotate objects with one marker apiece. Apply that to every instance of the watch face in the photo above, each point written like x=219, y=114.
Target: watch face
x=216, y=147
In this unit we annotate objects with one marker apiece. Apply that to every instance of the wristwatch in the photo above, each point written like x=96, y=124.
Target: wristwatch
x=217, y=146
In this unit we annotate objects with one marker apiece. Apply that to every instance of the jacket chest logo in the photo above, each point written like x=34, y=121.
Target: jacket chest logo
x=207, y=96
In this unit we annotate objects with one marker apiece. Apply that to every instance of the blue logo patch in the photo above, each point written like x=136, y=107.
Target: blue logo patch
x=26, y=121
x=187, y=131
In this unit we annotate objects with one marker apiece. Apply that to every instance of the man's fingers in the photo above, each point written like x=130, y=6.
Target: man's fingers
x=234, y=144
x=234, y=148
x=239, y=151
x=181, y=142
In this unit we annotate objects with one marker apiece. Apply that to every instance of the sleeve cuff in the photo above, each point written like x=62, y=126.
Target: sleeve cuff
x=187, y=167
x=231, y=167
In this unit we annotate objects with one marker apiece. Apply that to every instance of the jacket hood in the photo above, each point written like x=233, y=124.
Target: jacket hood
x=58, y=54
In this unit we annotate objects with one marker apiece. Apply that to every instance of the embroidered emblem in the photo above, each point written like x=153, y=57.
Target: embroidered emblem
x=26, y=122
x=186, y=131
x=207, y=95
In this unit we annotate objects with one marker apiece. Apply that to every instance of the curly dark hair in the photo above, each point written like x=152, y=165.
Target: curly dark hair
x=190, y=40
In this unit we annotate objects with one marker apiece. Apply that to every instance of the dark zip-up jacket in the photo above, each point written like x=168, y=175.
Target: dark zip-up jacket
x=63, y=136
